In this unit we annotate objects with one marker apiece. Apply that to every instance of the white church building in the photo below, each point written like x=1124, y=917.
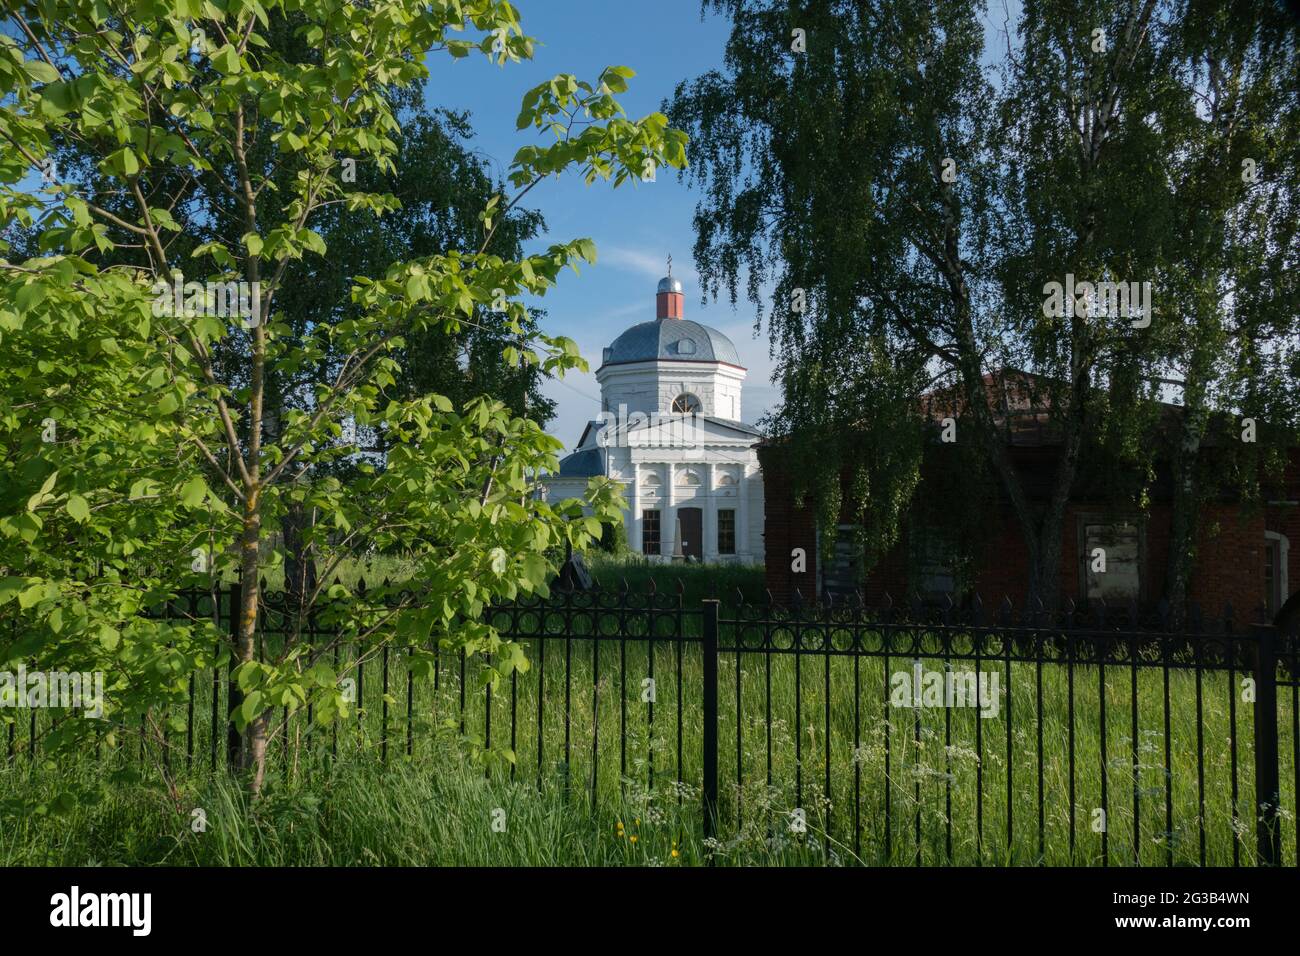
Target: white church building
x=670, y=433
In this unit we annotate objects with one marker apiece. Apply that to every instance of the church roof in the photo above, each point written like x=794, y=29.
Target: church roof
x=582, y=464
x=671, y=340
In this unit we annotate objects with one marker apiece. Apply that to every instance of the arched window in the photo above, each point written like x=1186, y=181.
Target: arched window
x=686, y=404
x=652, y=479
x=689, y=478
x=727, y=479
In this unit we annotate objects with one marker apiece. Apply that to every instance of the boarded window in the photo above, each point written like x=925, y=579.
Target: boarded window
x=932, y=557
x=726, y=531
x=843, y=572
x=650, y=532
x=1119, y=542
x=1274, y=574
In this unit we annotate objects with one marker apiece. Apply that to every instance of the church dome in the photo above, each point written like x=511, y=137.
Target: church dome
x=671, y=340
x=669, y=284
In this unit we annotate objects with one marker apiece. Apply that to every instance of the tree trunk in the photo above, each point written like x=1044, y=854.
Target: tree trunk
x=1183, y=524
x=252, y=754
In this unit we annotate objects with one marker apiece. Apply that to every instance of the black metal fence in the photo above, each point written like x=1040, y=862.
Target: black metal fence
x=1160, y=674
x=914, y=734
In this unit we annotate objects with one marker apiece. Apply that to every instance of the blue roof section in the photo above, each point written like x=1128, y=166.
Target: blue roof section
x=679, y=339
x=582, y=464
x=738, y=426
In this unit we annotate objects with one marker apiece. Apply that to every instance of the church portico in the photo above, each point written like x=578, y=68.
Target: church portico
x=669, y=431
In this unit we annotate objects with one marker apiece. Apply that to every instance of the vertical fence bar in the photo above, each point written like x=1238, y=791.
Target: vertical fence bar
x=1232, y=749
x=1134, y=650
x=595, y=710
x=1268, y=787
x=1200, y=750
x=710, y=717
x=383, y=715
x=541, y=696
x=1169, y=775
x=410, y=709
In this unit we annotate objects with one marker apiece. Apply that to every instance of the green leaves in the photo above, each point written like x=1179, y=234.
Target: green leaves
x=153, y=405
x=226, y=60
x=40, y=72
x=194, y=491
x=78, y=508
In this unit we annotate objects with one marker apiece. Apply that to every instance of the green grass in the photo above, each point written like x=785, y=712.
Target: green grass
x=332, y=800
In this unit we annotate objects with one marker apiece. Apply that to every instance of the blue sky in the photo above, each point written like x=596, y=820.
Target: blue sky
x=635, y=228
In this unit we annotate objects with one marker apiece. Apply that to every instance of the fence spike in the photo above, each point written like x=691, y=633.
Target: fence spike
x=652, y=587
x=681, y=588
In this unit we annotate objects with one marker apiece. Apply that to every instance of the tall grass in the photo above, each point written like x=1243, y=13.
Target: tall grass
x=575, y=747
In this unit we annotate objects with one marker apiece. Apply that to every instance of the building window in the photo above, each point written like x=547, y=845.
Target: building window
x=1116, y=547
x=727, y=479
x=843, y=571
x=1271, y=604
x=650, y=532
x=688, y=477
x=933, y=552
x=686, y=404
x=1276, y=585
x=726, y=531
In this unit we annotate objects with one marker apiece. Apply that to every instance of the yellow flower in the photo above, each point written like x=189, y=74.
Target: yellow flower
x=633, y=838
x=674, y=854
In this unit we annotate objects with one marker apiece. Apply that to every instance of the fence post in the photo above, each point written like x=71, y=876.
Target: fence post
x=234, y=696
x=710, y=717
x=1267, y=785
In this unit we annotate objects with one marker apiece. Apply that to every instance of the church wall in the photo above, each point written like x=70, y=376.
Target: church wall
x=652, y=386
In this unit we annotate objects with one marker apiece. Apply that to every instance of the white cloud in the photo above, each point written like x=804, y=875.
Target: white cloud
x=651, y=265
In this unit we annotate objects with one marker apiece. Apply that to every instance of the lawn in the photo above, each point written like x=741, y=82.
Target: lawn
x=598, y=774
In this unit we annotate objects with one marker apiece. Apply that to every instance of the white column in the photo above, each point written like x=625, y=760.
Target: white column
x=709, y=514
x=634, y=519
x=668, y=512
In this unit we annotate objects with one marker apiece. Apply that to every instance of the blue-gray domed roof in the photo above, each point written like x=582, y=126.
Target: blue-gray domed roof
x=679, y=339
x=669, y=284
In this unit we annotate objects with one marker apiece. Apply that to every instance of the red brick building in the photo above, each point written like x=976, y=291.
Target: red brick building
x=1249, y=557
